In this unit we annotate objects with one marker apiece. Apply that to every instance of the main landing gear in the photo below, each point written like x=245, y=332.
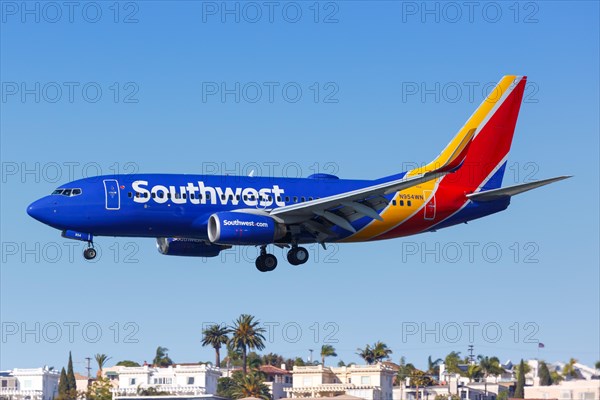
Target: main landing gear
x=90, y=252
x=297, y=255
x=266, y=262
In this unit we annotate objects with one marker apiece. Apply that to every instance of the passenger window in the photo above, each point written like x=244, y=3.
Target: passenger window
x=76, y=192
x=393, y=202
x=310, y=199
x=402, y=203
x=129, y=194
x=408, y=203
x=153, y=195
x=168, y=195
x=303, y=199
x=161, y=195
x=230, y=197
x=185, y=195
x=66, y=192
x=287, y=199
x=58, y=191
x=278, y=198
x=237, y=197
x=245, y=197
x=295, y=199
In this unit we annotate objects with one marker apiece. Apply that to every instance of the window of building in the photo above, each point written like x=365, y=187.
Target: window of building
x=4, y=383
x=190, y=380
x=131, y=381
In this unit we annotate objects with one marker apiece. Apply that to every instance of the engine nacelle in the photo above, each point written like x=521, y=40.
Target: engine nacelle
x=188, y=247
x=239, y=228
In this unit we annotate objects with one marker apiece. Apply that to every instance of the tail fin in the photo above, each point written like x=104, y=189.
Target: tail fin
x=495, y=121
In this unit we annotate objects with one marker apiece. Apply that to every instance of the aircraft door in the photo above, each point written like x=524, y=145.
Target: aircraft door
x=429, y=209
x=112, y=194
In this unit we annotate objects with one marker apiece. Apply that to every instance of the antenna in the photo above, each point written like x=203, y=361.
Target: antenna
x=471, y=356
x=89, y=369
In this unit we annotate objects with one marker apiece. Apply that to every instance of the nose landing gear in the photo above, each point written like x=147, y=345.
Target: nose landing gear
x=90, y=253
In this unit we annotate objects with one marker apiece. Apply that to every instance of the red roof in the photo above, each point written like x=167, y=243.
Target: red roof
x=271, y=370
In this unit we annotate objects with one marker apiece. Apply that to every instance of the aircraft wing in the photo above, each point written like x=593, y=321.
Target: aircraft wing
x=364, y=201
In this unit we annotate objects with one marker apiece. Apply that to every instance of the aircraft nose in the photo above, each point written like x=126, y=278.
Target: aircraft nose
x=38, y=210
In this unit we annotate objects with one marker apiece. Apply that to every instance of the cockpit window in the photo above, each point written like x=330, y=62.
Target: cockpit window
x=68, y=192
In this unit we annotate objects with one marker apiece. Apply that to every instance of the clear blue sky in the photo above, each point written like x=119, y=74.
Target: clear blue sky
x=158, y=112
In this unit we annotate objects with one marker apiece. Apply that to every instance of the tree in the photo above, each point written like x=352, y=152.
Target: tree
x=63, y=385
x=556, y=377
x=71, y=383
x=433, y=366
x=275, y=360
x=474, y=372
x=502, y=396
x=597, y=365
x=127, y=363
x=251, y=385
x=452, y=361
x=225, y=387
x=216, y=335
x=247, y=334
x=151, y=391
x=569, y=371
x=366, y=354
x=544, y=375
x=101, y=359
x=520, y=388
x=327, y=350
x=99, y=390
x=299, y=362
x=418, y=379
x=490, y=366
x=381, y=351
x=161, y=359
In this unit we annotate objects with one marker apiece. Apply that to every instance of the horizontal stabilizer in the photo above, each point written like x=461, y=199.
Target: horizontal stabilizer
x=495, y=194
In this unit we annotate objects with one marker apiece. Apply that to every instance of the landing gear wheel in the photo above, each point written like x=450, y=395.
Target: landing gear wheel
x=297, y=255
x=89, y=253
x=266, y=262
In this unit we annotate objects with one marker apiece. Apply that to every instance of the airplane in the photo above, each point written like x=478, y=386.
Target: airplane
x=201, y=215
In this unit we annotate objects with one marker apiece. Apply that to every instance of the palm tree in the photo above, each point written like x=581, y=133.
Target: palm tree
x=489, y=366
x=251, y=385
x=474, y=372
x=366, y=354
x=569, y=370
x=215, y=336
x=101, y=359
x=452, y=360
x=327, y=350
x=381, y=351
x=161, y=359
x=247, y=334
x=418, y=379
x=433, y=367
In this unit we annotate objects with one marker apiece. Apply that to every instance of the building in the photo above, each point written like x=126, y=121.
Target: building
x=369, y=382
x=184, y=381
x=277, y=380
x=578, y=389
x=29, y=384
